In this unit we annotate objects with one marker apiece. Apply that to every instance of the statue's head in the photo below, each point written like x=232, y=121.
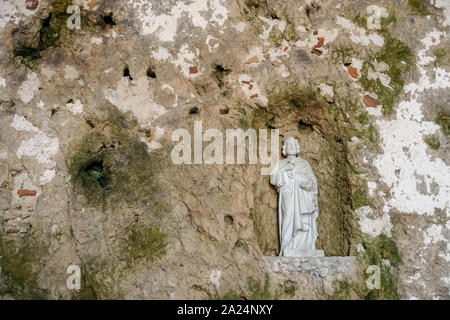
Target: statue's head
x=291, y=147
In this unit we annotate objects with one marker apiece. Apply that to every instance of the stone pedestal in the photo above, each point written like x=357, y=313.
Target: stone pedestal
x=318, y=266
x=303, y=253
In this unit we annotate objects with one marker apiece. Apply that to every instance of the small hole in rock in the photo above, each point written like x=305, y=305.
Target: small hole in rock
x=126, y=73
x=228, y=219
x=95, y=171
x=301, y=125
x=107, y=20
x=194, y=110
x=151, y=73
x=70, y=101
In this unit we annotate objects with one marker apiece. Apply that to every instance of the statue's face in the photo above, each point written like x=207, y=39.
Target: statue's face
x=291, y=147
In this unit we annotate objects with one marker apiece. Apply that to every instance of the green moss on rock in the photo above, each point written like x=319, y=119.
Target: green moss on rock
x=20, y=262
x=145, y=242
x=417, y=6
x=443, y=119
x=360, y=197
x=112, y=166
x=398, y=56
x=432, y=142
x=440, y=54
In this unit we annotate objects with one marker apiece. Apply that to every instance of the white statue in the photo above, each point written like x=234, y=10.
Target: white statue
x=297, y=205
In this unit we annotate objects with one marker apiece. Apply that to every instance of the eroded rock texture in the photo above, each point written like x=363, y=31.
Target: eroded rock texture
x=87, y=115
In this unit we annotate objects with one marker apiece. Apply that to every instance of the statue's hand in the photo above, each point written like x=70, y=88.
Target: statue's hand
x=310, y=185
x=290, y=173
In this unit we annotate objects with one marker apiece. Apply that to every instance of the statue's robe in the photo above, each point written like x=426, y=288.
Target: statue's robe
x=297, y=205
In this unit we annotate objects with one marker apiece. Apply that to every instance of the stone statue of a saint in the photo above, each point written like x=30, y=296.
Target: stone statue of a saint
x=297, y=206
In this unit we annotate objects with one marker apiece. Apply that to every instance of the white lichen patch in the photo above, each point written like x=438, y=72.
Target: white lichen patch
x=165, y=25
x=12, y=11
x=357, y=34
x=309, y=40
x=433, y=235
x=405, y=166
x=212, y=43
x=75, y=107
x=70, y=73
x=152, y=143
x=162, y=54
x=172, y=91
x=271, y=24
x=326, y=90
x=445, y=5
x=186, y=61
x=251, y=89
x=373, y=227
x=47, y=72
x=28, y=88
x=134, y=96
x=214, y=277
x=240, y=26
x=39, y=146
x=380, y=73
x=47, y=176
x=96, y=40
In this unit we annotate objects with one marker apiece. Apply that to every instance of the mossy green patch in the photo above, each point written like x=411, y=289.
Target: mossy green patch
x=380, y=252
x=398, y=57
x=20, y=263
x=52, y=29
x=360, y=21
x=342, y=54
x=98, y=281
x=360, y=197
x=443, y=119
x=440, y=54
x=432, y=142
x=418, y=6
x=145, y=242
x=111, y=165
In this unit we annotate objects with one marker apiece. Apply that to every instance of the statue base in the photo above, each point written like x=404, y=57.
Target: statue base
x=303, y=253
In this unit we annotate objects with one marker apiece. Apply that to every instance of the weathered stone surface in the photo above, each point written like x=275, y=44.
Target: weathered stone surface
x=86, y=117
x=317, y=266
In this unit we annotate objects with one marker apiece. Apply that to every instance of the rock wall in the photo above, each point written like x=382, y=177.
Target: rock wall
x=92, y=90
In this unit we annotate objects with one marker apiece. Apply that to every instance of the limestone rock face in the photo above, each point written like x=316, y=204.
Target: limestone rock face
x=91, y=93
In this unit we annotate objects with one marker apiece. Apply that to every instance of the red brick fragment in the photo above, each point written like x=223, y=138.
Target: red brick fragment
x=316, y=52
x=352, y=71
x=26, y=193
x=31, y=4
x=254, y=96
x=11, y=231
x=253, y=59
x=370, y=102
x=193, y=70
x=320, y=42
